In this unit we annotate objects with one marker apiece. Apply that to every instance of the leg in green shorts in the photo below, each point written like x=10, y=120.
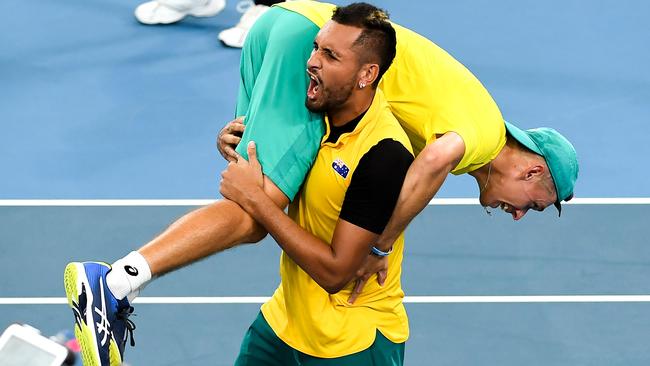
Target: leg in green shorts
x=261, y=347
x=382, y=352
x=272, y=97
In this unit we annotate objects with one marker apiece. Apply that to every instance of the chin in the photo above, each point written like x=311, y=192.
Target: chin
x=482, y=200
x=314, y=106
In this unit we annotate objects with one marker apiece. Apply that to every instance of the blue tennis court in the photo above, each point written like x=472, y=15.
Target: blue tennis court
x=94, y=106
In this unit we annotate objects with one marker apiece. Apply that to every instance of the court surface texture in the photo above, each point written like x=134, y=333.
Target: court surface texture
x=108, y=131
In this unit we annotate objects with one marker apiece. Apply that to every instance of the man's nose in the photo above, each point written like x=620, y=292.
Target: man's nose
x=314, y=61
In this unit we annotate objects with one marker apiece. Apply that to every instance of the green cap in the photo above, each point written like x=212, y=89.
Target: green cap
x=559, y=154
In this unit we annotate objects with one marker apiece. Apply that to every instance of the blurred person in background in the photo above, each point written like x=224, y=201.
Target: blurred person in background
x=172, y=11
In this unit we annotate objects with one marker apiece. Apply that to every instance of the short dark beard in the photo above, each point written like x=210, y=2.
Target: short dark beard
x=333, y=99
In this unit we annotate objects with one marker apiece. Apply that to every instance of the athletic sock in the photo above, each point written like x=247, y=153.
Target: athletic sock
x=134, y=294
x=128, y=275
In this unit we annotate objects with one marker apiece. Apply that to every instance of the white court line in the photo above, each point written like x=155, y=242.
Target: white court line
x=203, y=202
x=102, y=203
x=407, y=299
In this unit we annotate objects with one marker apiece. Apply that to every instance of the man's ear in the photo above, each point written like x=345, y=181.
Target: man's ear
x=368, y=74
x=534, y=171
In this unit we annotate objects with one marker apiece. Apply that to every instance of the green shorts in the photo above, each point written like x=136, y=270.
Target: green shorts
x=272, y=96
x=262, y=347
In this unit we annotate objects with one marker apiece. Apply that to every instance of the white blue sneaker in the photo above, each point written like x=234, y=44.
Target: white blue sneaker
x=172, y=11
x=102, y=325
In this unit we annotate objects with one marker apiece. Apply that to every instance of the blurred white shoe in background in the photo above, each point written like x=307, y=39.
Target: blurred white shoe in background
x=172, y=11
x=235, y=36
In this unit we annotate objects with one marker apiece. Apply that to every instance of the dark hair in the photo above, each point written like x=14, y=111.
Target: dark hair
x=377, y=40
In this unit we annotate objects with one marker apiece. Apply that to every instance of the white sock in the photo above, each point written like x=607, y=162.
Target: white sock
x=134, y=294
x=128, y=275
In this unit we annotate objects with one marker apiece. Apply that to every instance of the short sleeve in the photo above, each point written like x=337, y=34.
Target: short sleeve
x=375, y=186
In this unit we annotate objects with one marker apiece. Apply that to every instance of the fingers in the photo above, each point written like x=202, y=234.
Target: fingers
x=232, y=140
x=229, y=177
x=381, y=277
x=230, y=136
x=372, y=266
x=236, y=127
x=228, y=143
x=252, y=154
x=223, y=184
x=230, y=154
x=358, y=287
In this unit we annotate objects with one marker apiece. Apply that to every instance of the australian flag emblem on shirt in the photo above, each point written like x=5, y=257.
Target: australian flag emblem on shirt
x=340, y=167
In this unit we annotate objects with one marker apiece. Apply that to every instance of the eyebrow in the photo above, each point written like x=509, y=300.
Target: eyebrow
x=327, y=50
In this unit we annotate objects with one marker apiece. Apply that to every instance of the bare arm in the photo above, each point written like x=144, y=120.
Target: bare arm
x=213, y=228
x=422, y=182
x=331, y=266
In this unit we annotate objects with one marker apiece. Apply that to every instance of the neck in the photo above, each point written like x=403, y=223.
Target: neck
x=482, y=175
x=358, y=103
x=493, y=170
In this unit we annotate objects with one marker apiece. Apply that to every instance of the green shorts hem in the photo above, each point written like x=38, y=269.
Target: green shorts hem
x=261, y=346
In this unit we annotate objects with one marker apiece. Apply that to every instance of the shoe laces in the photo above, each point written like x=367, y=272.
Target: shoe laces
x=124, y=315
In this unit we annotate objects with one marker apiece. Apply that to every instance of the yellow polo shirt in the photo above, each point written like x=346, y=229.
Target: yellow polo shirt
x=431, y=93
x=300, y=312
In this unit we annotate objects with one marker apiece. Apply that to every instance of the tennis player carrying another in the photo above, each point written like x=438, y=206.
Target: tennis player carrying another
x=451, y=120
x=339, y=212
